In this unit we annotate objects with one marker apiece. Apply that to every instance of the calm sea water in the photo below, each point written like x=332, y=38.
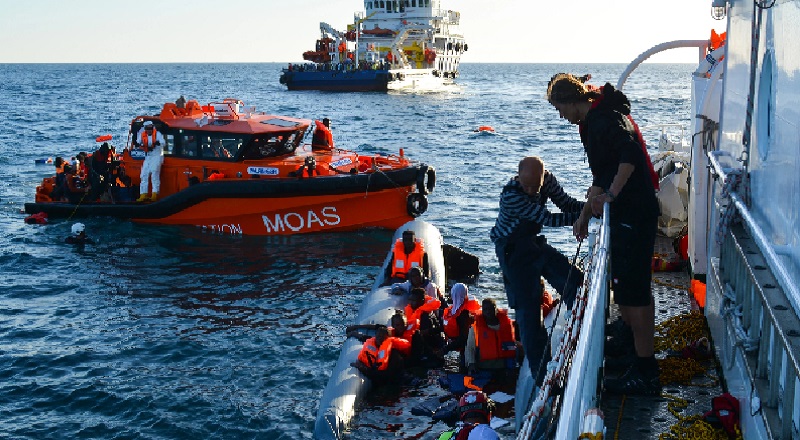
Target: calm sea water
x=170, y=333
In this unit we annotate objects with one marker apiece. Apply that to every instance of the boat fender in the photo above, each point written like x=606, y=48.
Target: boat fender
x=426, y=179
x=416, y=204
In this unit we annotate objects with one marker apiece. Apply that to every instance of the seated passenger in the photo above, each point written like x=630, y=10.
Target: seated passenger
x=491, y=344
x=408, y=252
x=380, y=359
x=415, y=279
x=458, y=318
x=60, y=189
x=76, y=187
x=424, y=308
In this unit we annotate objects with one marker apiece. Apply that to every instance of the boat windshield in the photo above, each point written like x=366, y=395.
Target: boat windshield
x=272, y=145
x=224, y=147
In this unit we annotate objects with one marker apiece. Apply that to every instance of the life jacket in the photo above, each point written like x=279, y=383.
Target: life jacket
x=495, y=344
x=322, y=138
x=449, y=322
x=402, y=262
x=406, y=334
x=373, y=356
x=431, y=304
x=148, y=142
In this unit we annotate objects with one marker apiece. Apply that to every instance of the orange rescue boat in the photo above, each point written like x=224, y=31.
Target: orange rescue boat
x=232, y=170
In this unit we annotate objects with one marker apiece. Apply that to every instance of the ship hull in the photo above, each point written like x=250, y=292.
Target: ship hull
x=337, y=81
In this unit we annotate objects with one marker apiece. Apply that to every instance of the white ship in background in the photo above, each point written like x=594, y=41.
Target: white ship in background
x=391, y=45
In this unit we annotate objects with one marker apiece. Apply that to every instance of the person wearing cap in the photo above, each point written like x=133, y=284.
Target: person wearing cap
x=152, y=142
x=78, y=235
x=475, y=411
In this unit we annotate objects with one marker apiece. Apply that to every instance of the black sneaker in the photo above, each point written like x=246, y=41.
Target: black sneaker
x=635, y=383
x=618, y=363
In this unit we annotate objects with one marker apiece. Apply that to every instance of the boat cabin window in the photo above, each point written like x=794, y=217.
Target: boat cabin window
x=219, y=148
x=272, y=145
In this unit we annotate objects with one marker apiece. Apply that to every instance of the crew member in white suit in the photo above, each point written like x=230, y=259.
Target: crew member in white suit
x=152, y=142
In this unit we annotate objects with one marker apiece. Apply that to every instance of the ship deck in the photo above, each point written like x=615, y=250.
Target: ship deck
x=684, y=394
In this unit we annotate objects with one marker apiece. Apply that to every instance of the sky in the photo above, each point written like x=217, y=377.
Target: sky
x=164, y=31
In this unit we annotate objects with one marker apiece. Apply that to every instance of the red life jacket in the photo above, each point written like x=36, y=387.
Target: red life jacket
x=404, y=262
x=450, y=325
x=495, y=344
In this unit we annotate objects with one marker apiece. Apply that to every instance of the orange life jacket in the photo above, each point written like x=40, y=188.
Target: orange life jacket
x=406, y=335
x=450, y=325
x=322, y=138
x=148, y=142
x=431, y=305
x=495, y=344
x=373, y=356
x=403, y=262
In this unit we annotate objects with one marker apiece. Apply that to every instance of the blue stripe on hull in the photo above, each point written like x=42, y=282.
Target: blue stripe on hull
x=338, y=81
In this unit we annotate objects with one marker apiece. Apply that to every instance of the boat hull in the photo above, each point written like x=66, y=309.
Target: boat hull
x=337, y=81
x=269, y=206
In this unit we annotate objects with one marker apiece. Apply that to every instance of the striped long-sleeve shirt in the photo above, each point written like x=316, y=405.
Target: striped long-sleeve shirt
x=518, y=208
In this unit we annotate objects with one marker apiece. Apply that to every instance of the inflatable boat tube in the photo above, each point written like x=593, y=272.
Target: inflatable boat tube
x=346, y=386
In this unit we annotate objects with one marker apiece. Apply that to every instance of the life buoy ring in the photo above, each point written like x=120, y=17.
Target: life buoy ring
x=416, y=204
x=426, y=179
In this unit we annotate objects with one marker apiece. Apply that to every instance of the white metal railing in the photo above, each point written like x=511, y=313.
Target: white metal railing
x=761, y=310
x=577, y=361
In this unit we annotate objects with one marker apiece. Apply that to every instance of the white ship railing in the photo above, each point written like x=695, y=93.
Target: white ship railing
x=760, y=305
x=580, y=393
x=579, y=356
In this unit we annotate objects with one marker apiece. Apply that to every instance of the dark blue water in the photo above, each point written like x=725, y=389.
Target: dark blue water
x=171, y=333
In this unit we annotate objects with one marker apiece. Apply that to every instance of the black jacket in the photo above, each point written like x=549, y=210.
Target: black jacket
x=609, y=140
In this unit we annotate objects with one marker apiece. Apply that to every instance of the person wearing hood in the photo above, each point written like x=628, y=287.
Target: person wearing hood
x=620, y=177
x=458, y=317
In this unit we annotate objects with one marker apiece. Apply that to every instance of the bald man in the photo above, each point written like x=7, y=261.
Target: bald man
x=525, y=256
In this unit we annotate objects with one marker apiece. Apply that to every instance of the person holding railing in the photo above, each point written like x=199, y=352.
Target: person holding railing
x=525, y=256
x=620, y=177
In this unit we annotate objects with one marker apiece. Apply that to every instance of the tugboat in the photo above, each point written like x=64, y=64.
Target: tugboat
x=392, y=45
x=229, y=169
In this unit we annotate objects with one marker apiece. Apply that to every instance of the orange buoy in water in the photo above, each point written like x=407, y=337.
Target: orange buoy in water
x=103, y=138
x=485, y=128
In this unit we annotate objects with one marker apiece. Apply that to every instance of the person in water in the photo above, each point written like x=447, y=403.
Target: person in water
x=525, y=256
x=78, y=235
x=620, y=177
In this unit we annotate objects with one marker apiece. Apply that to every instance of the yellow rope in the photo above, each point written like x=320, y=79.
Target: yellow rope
x=619, y=417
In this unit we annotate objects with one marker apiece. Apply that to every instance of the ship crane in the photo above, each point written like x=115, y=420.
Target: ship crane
x=400, y=38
